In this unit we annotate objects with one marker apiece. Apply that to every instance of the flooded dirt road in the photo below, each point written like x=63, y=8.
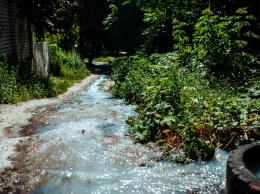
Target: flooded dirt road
x=81, y=145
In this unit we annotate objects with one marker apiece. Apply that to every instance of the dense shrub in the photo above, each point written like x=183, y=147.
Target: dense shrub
x=180, y=106
x=8, y=82
x=55, y=61
x=220, y=43
x=68, y=65
x=203, y=96
x=19, y=85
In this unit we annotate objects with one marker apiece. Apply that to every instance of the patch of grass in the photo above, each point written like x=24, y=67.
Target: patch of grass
x=110, y=59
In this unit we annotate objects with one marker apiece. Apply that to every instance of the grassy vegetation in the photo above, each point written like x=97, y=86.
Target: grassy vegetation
x=201, y=96
x=180, y=107
x=106, y=58
x=66, y=68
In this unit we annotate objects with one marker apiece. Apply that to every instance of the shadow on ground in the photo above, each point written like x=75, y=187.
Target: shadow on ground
x=100, y=68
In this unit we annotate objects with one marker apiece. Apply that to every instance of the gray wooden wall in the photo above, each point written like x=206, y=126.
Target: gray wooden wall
x=16, y=35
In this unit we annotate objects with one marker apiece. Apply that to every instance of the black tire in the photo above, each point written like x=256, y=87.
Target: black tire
x=239, y=179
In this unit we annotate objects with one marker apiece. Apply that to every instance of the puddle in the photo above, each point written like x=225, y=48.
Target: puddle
x=86, y=150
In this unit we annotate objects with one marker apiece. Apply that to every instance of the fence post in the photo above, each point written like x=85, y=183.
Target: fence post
x=41, y=59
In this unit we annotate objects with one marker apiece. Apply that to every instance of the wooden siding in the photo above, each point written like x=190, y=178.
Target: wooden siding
x=16, y=35
x=5, y=30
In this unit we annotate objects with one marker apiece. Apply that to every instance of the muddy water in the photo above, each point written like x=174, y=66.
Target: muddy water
x=85, y=149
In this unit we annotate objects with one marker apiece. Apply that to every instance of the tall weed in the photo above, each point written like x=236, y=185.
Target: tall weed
x=220, y=44
x=67, y=65
x=8, y=82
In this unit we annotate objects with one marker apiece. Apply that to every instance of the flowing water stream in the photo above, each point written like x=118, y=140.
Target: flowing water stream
x=85, y=149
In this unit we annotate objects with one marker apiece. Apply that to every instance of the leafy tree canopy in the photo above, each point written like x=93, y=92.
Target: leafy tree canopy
x=123, y=26
x=42, y=13
x=90, y=15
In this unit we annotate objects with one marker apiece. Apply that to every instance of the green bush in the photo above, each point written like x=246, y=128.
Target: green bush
x=182, y=106
x=74, y=60
x=67, y=65
x=8, y=82
x=201, y=97
x=55, y=61
x=220, y=43
x=66, y=69
x=199, y=149
x=152, y=84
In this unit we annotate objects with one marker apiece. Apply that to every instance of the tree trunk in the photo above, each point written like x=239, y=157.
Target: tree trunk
x=90, y=59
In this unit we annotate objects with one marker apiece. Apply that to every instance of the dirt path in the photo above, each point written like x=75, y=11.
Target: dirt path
x=14, y=117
